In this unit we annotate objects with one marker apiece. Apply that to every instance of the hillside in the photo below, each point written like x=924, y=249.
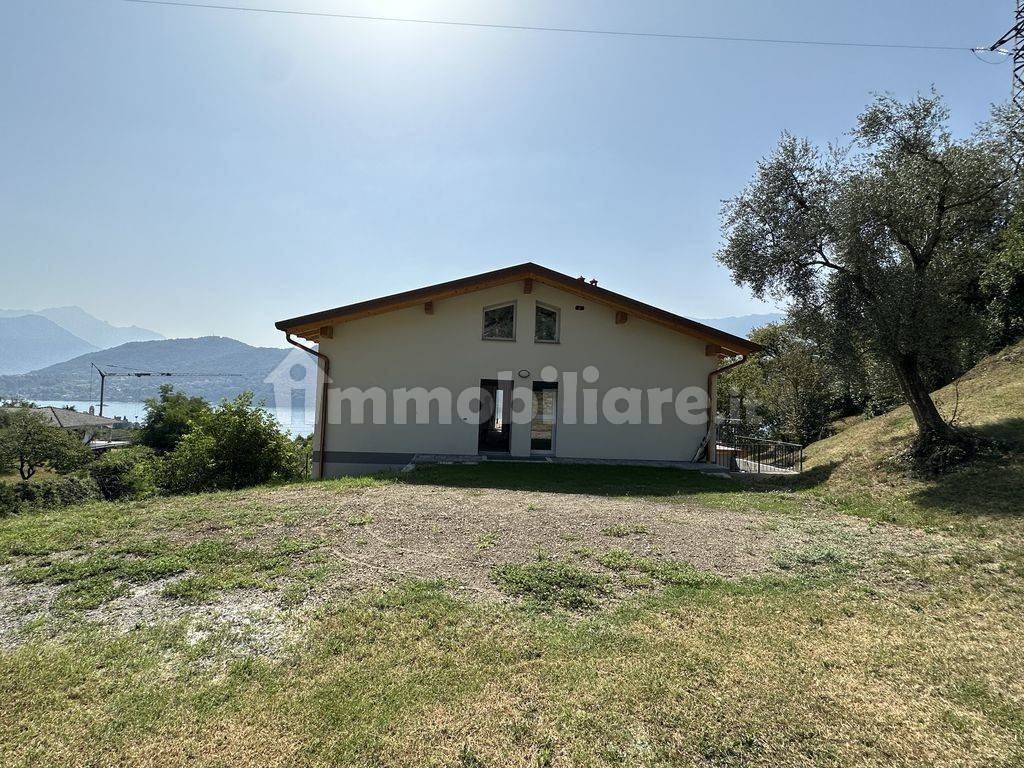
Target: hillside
x=741, y=325
x=29, y=342
x=98, y=333
x=989, y=399
x=198, y=359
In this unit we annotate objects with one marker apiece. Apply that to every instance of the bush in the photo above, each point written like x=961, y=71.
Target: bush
x=58, y=491
x=170, y=417
x=190, y=468
x=238, y=445
x=125, y=474
x=10, y=502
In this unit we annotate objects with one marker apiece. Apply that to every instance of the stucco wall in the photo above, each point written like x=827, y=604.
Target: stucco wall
x=408, y=348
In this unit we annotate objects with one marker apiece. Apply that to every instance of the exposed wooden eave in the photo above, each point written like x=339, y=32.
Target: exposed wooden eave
x=310, y=326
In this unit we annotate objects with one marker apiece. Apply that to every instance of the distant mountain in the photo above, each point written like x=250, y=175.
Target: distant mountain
x=197, y=364
x=29, y=342
x=99, y=333
x=742, y=325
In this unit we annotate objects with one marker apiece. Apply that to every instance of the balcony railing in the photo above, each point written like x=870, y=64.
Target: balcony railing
x=758, y=455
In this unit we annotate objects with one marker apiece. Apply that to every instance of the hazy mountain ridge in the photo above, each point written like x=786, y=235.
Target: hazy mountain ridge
x=741, y=325
x=76, y=321
x=199, y=361
x=28, y=342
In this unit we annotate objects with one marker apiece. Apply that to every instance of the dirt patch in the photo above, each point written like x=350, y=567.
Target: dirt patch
x=21, y=605
x=394, y=532
x=248, y=622
x=373, y=537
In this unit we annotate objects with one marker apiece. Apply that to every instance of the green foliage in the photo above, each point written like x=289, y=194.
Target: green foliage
x=236, y=445
x=58, y=491
x=788, y=392
x=550, y=583
x=207, y=567
x=884, y=239
x=10, y=501
x=128, y=473
x=622, y=530
x=360, y=520
x=29, y=441
x=303, y=445
x=170, y=417
x=1002, y=285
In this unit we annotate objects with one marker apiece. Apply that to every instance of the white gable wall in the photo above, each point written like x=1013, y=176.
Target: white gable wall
x=408, y=348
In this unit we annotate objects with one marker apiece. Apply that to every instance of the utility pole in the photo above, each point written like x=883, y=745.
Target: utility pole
x=143, y=374
x=1015, y=39
x=103, y=382
x=137, y=374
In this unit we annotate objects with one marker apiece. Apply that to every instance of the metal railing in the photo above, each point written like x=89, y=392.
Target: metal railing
x=755, y=454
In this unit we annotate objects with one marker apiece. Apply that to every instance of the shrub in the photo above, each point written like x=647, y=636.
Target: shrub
x=238, y=445
x=189, y=469
x=10, y=502
x=58, y=491
x=170, y=417
x=125, y=474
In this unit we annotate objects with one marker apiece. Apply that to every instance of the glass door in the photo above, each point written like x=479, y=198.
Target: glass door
x=495, y=408
x=542, y=425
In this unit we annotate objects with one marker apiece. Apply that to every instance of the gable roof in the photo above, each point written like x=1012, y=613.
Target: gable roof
x=61, y=417
x=308, y=326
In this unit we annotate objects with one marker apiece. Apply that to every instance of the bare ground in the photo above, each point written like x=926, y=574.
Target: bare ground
x=370, y=538
x=461, y=534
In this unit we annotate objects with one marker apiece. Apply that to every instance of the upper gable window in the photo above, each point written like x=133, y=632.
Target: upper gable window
x=500, y=322
x=546, y=324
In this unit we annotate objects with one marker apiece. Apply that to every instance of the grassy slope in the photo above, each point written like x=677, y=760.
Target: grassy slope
x=832, y=668
x=826, y=669
x=42, y=473
x=991, y=400
x=851, y=468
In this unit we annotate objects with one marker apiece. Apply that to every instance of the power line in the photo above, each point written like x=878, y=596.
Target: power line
x=569, y=30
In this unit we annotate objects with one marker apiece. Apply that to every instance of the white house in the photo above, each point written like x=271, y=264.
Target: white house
x=518, y=362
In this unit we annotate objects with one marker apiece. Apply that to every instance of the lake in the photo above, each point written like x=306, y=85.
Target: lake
x=297, y=422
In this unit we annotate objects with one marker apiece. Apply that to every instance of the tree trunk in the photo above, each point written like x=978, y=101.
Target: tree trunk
x=25, y=469
x=931, y=427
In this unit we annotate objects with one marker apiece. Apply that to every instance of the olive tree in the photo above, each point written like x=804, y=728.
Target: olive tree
x=28, y=441
x=890, y=230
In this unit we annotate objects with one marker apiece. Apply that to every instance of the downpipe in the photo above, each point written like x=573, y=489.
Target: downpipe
x=323, y=398
x=710, y=451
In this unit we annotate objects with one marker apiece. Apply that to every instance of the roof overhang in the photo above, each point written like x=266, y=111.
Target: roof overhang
x=310, y=326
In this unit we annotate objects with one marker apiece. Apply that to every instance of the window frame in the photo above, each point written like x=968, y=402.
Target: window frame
x=483, y=321
x=558, y=323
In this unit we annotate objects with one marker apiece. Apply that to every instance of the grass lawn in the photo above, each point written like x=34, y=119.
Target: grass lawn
x=41, y=473
x=517, y=615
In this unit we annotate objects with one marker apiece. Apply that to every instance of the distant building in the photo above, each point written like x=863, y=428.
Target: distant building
x=87, y=425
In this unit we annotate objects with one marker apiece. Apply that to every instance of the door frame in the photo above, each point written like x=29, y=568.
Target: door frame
x=540, y=386
x=505, y=387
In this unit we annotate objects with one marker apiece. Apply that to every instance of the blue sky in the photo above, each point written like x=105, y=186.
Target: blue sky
x=209, y=172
